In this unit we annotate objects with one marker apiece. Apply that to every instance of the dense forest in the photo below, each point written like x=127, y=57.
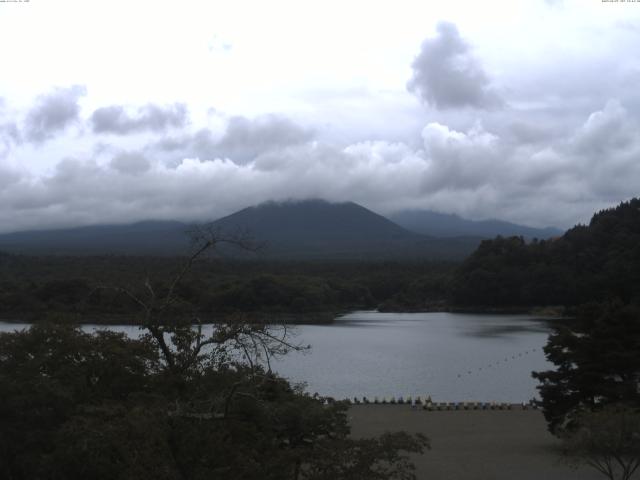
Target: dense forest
x=588, y=263
x=591, y=262
x=89, y=288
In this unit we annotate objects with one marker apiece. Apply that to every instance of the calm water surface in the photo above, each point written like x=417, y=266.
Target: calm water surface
x=452, y=357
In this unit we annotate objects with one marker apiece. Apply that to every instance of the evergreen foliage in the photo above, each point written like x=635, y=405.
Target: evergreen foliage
x=78, y=406
x=597, y=359
x=588, y=263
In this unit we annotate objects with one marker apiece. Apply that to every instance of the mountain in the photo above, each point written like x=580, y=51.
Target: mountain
x=314, y=223
x=436, y=224
x=317, y=228
x=148, y=238
x=295, y=230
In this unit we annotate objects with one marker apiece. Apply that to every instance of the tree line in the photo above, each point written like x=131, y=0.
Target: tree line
x=594, y=262
x=35, y=288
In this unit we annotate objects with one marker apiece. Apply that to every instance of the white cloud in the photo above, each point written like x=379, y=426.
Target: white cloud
x=460, y=160
x=605, y=131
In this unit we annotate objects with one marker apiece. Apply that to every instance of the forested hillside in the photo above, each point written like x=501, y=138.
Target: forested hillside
x=588, y=263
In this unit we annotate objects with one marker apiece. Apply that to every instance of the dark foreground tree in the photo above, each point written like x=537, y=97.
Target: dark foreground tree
x=607, y=440
x=597, y=362
x=180, y=402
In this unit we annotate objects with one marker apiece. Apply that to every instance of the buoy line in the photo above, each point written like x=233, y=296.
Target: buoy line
x=497, y=363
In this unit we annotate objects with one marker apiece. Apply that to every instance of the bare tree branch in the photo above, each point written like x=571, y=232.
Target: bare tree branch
x=181, y=343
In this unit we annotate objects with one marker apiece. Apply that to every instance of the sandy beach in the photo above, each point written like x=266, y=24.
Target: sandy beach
x=474, y=444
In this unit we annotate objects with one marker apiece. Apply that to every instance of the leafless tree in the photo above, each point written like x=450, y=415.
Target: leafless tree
x=181, y=340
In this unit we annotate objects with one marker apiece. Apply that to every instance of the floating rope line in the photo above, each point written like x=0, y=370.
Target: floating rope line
x=498, y=362
x=425, y=403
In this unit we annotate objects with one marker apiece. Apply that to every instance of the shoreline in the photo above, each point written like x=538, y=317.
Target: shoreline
x=550, y=311
x=311, y=318
x=286, y=318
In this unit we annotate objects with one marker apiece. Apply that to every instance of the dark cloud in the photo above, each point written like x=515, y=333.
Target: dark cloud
x=447, y=75
x=53, y=113
x=171, y=150
x=117, y=120
x=133, y=163
x=243, y=140
x=9, y=136
x=8, y=177
x=10, y=129
x=9, y=132
x=516, y=169
x=522, y=133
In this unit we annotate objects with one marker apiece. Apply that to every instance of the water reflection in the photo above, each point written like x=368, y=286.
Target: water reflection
x=494, y=331
x=482, y=325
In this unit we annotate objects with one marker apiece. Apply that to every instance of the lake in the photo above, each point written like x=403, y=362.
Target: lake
x=449, y=356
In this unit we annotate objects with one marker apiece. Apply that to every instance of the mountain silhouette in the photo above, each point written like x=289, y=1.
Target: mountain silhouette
x=318, y=229
x=292, y=229
x=435, y=224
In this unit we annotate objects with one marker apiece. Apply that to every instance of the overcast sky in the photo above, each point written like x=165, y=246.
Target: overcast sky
x=118, y=111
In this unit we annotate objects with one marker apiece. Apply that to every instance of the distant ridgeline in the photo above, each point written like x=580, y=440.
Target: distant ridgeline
x=301, y=230
x=309, y=230
x=596, y=262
